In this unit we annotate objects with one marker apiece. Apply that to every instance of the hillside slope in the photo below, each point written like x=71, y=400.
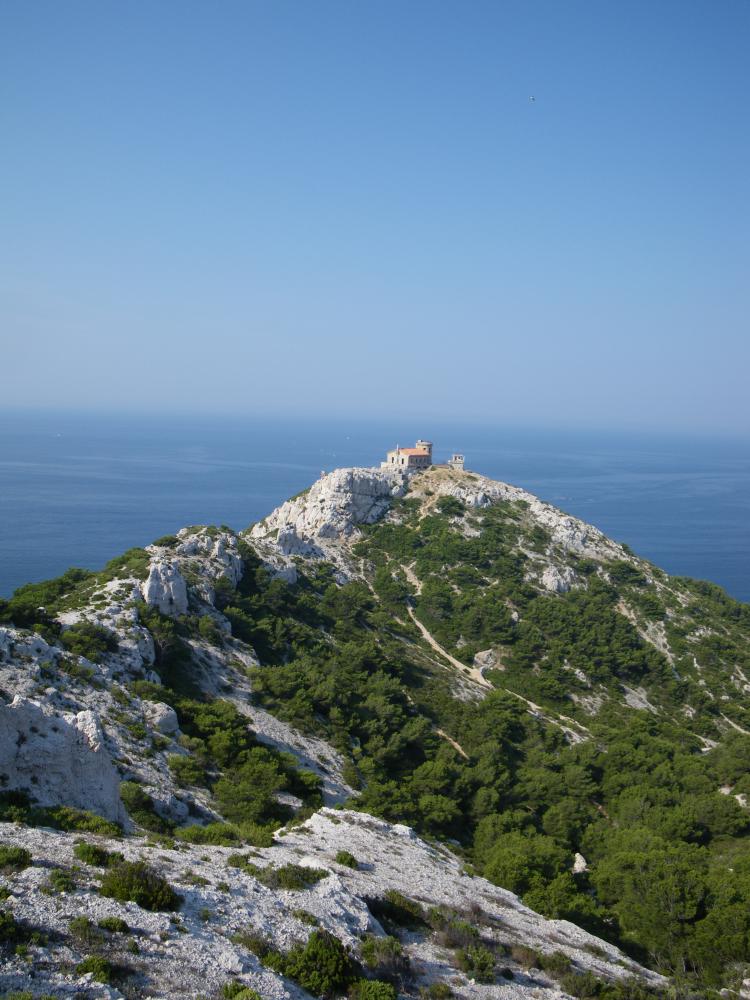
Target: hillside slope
x=442, y=651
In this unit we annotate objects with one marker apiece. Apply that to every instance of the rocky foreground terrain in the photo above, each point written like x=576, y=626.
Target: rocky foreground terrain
x=107, y=755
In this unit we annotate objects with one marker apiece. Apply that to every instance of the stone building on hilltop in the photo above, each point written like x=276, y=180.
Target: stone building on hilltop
x=418, y=457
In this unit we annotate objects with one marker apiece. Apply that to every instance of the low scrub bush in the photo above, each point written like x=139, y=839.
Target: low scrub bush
x=89, y=640
x=322, y=966
x=236, y=990
x=102, y=969
x=135, y=881
x=92, y=854
x=85, y=933
x=289, y=876
x=384, y=956
x=141, y=808
x=14, y=859
x=372, y=989
x=115, y=925
x=557, y=963
x=16, y=807
x=397, y=910
x=187, y=770
x=478, y=962
x=346, y=858
x=436, y=991
x=219, y=834
x=61, y=880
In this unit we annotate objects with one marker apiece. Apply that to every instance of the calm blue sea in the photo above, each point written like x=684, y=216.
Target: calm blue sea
x=78, y=490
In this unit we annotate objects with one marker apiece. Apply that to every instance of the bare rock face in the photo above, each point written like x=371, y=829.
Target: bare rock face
x=59, y=759
x=556, y=580
x=219, y=551
x=316, y=523
x=165, y=588
x=160, y=716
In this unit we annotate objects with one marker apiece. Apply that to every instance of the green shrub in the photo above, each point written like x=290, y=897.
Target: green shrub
x=436, y=991
x=306, y=918
x=166, y=541
x=115, y=925
x=236, y=990
x=372, y=989
x=450, y=506
x=133, y=562
x=141, y=808
x=257, y=835
x=477, y=962
x=61, y=880
x=220, y=834
x=384, y=956
x=100, y=967
x=187, y=770
x=85, y=932
x=289, y=876
x=556, y=963
x=92, y=854
x=63, y=818
x=10, y=929
x=136, y=882
x=347, y=859
x=397, y=910
x=89, y=640
x=14, y=859
x=322, y=966
x=528, y=958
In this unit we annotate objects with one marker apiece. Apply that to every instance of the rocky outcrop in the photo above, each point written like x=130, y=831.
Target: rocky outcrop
x=220, y=550
x=58, y=759
x=165, y=588
x=161, y=717
x=558, y=580
x=318, y=523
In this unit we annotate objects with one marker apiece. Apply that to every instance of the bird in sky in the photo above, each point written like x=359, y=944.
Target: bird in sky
x=532, y=99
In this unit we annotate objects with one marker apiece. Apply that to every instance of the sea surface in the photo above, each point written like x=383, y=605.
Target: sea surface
x=78, y=490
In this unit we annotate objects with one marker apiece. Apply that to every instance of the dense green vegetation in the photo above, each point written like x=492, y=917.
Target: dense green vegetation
x=639, y=800
x=135, y=881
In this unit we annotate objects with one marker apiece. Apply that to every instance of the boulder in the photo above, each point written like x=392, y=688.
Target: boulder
x=165, y=588
x=59, y=759
x=161, y=716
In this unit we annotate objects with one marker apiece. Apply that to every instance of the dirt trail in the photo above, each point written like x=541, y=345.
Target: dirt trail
x=456, y=746
x=473, y=672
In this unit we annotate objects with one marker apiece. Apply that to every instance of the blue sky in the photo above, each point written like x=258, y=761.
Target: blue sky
x=356, y=209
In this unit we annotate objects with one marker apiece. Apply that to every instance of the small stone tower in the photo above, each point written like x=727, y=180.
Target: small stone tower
x=456, y=461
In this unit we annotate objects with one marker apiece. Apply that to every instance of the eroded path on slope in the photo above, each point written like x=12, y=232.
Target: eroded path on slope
x=473, y=672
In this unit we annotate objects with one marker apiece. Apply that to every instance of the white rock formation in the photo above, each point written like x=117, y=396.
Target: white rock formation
x=59, y=759
x=558, y=579
x=165, y=588
x=160, y=716
x=318, y=523
x=219, y=553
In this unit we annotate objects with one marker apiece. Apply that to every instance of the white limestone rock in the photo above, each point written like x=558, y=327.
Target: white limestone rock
x=558, y=580
x=161, y=717
x=58, y=758
x=165, y=588
x=321, y=522
x=220, y=552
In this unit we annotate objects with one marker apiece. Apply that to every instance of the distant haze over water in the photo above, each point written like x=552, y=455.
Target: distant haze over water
x=79, y=490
